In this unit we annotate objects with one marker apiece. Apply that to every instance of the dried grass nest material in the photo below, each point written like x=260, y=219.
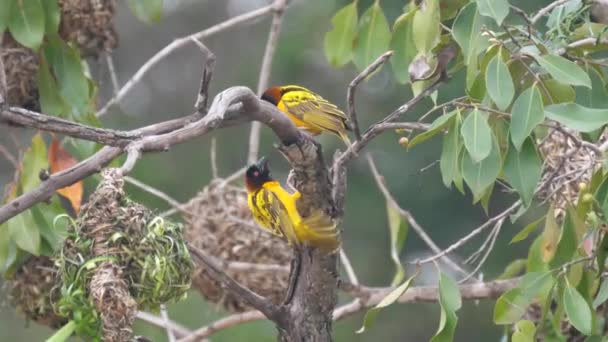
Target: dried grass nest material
x=118, y=258
x=29, y=290
x=219, y=222
x=86, y=23
x=567, y=165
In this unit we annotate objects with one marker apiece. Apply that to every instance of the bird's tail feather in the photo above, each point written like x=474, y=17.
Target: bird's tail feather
x=320, y=230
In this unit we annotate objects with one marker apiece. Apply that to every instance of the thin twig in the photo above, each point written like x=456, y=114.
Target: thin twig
x=176, y=328
x=154, y=191
x=494, y=234
x=9, y=156
x=408, y=216
x=203, y=91
x=545, y=10
x=352, y=88
x=222, y=324
x=271, y=44
x=179, y=43
x=472, y=234
x=133, y=155
x=164, y=314
x=213, y=157
x=348, y=267
x=112, y=71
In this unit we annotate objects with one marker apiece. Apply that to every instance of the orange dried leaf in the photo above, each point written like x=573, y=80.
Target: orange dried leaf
x=59, y=160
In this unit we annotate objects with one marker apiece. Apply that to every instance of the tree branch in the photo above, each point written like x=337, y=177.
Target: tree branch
x=279, y=7
x=352, y=87
x=545, y=10
x=179, y=43
x=418, y=294
x=176, y=328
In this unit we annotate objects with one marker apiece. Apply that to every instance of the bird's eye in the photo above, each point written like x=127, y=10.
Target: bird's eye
x=256, y=174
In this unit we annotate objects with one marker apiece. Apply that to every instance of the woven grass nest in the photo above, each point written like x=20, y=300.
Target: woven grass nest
x=86, y=23
x=30, y=291
x=219, y=222
x=119, y=258
x=568, y=175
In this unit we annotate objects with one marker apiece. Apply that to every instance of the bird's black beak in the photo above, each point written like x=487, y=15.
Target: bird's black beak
x=263, y=165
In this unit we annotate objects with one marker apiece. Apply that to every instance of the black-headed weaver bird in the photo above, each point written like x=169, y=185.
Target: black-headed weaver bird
x=274, y=208
x=308, y=110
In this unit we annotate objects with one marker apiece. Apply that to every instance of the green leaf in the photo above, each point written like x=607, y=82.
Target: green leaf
x=398, y=229
x=391, y=297
x=600, y=298
x=449, y=293
x=496, y=9
x=523, y=169
x=578, y=310
x=466, y=32
x=51, y=101
x=512, y=305
x=73, y=84
x=535, y=261
x=479, y=176
x=24, y=232
x=567, y=244
x=402, y=44
x=449, y=162
x=558, y=92
x=5, y=244
x=577, y=117
x=5, y=10
x=513, y=269
x=447, y=327
x=436, y=127
x=601, y=254
x=34, y=160
x=550, y=236
x=427, y=27
x=148, y=11
x=26, y=22
x=477, y=135
x=523, y=234
x=373, y=38
x=64, y=333
x=527, y=113
x=596, y=96
x=52, y=15
x=524, y=332
x=499, y=82
x=564, y=71
x=339, y=41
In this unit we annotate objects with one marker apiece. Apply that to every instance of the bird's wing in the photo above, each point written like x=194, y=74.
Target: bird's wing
x=275, y=215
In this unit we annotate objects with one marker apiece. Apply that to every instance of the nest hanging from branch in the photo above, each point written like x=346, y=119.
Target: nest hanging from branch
x=118, y=258
x=86, y=23
x=567, y=165
x=220, y=223
x=29, y=290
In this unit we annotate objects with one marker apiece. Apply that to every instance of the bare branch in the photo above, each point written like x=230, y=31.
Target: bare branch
x=112, y=72
x=408, y=216
x=222, y=324
x=176, y=328
x=545, y=10
x=279, y=7
x=473, y=291
x=348, y=267
x=203, y=91
x=340, y=160
x=213, y=157
x=262, y=304
x=164, y=314
x=493, y=236
x=3, y=84
x=472, y=234
x=133, y=155
x=352, y=87
x=154, y=191
x=179, y=43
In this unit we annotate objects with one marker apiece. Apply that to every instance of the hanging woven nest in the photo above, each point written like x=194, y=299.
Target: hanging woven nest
x=86, y=23
x=220, y=223
x=20, y=66
x=567, y=165
x=118, y=258
x=89, y=24
x=30, y=291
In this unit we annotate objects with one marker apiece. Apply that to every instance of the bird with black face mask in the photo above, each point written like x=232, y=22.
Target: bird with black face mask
x=274, y=208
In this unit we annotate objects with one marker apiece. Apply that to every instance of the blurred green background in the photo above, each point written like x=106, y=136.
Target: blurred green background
x=169, y=91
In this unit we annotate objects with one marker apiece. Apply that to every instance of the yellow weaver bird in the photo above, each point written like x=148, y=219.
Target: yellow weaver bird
x=309, y=110
x=274, y=208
